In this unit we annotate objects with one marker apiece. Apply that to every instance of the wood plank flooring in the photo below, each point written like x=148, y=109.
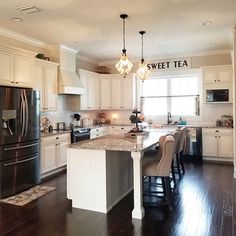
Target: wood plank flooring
x=204, y=206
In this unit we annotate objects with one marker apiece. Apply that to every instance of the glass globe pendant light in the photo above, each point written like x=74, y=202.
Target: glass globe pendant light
x=124, y=66
x=143, y=71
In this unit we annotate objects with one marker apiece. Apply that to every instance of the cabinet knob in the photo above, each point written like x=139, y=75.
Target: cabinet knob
x=12, y=82
x=57, y=137
x=217, y=131
x=215, y=80
x=16, y=82
x=215, y=136
x=218, y=80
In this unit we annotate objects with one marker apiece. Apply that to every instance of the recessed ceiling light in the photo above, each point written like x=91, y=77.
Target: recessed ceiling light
x=28, y=9
x=16, y=19
x=206, y=23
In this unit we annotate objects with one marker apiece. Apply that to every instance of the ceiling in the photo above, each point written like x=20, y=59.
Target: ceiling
x=95, y=28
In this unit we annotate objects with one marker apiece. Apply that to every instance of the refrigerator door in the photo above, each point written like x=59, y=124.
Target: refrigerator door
x=18, y=174
x=19, y=115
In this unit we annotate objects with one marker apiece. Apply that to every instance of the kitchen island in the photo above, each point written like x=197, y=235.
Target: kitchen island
x=100, y=172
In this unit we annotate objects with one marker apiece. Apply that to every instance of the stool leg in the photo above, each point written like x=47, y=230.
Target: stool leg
x=182, y=163
x=178, y=165
x=168, y=194
x=173, y=172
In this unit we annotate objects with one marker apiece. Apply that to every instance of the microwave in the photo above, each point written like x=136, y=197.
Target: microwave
x=217, y=95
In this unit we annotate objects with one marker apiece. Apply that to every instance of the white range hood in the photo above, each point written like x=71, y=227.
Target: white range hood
x=69, y=82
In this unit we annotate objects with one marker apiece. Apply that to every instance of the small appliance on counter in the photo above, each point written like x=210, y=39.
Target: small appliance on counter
x=76, y=121
x=227, y=121
x=61, y=126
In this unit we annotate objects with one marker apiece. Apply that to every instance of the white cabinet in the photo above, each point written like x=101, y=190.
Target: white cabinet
x=217, y=74
x=98, y=132
x=16, y=67
x=217, y=143
x=105, y=91
x=45, y=80
x=53, y=153
x=120, y=129
x=218, y=77
x=90, y=81
x=122, y=90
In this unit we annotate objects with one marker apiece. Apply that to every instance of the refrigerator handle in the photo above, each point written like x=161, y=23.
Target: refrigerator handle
x=26, y=113
x=22, y=115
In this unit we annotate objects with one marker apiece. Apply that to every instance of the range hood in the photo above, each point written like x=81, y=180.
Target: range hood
x=69, y=82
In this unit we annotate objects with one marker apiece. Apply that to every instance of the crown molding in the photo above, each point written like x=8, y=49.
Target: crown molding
x=169, y=56
x=21, y=37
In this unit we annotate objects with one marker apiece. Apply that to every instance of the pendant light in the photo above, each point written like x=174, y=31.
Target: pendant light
x=124, y=66
x=143, y=71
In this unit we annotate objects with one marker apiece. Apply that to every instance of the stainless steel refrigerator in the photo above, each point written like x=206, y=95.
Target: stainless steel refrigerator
x=19, y=140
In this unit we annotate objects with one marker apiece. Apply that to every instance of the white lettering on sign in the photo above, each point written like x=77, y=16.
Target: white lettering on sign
x=172, y=64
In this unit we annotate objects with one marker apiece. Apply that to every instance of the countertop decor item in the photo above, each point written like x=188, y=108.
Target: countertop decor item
x=142, y=72
x=124, y=66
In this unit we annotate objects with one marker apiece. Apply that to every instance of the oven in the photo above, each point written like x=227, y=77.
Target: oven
x=79, y=134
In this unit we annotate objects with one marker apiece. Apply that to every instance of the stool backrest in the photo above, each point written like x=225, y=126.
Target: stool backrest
x=177, y=136
x=167, y=146
x=183, y=132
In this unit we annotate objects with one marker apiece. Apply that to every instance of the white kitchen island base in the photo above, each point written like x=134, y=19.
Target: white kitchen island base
x=98, y=179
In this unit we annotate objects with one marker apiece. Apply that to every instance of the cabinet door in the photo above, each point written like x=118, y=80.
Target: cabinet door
x=210, y=76
x=83, y=97
x=127, y=93
x=22, y=69
x=116, y=92
x=225, y=75
x=225, y=145
x=105, y=92
x=48, y=156
x=93, y=91
x=6, y=75
x=38, y=83
x=210, y=143
x=62, y=152
x=50, y=88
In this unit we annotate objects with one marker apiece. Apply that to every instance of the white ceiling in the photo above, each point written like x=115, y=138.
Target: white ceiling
x=95, y=28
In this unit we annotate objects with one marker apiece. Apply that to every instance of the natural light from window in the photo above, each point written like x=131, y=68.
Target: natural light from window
x=179, y=95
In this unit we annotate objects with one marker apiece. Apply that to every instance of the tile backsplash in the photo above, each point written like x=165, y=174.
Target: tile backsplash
x=68, y=105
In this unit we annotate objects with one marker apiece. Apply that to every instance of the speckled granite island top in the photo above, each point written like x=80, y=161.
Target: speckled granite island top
x=118, y=142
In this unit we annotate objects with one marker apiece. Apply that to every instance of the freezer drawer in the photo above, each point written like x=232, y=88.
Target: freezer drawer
x=18, y=174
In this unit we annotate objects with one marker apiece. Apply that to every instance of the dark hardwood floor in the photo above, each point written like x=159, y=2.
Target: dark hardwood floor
x=204, y=205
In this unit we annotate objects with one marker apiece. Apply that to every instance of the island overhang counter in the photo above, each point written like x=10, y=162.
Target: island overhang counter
x=101, y=171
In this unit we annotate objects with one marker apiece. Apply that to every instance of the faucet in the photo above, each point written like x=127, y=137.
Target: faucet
x=169, y=120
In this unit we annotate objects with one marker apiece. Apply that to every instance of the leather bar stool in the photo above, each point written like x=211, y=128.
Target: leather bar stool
x=161, y=166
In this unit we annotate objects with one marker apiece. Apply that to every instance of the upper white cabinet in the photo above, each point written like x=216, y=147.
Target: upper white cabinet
x=45, y=80
x=16, y=67
x=122, y=89
x=217, y=143
x=105, y=91
x=217, y=74
x=90, y=81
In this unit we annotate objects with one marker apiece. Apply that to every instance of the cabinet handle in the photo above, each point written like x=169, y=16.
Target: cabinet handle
x=215, y=80
x=16, y=82
x=215, y=136
x=122, y=127
x=218, y=80
x=217, y=131
x=219, y=136
x=57, y=137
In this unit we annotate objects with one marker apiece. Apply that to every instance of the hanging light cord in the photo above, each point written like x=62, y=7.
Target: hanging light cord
x=142, y=49
x=124, y=50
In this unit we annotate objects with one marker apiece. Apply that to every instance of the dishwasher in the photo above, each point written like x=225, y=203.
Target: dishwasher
x=194, y=143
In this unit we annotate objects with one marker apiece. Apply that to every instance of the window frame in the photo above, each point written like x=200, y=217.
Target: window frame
x=175, y=74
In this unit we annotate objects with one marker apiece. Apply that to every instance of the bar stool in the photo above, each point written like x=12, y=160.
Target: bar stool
x=161, y=166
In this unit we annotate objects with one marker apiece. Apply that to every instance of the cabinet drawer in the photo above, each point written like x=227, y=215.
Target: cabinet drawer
x=55, y=137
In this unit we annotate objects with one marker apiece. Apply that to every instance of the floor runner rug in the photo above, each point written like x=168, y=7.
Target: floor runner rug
x=29, y=195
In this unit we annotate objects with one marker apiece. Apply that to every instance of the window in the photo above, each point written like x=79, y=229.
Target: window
x=179, y=95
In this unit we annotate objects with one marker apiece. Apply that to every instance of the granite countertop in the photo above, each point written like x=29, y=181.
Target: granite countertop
x=118, y=142
x=55, y=132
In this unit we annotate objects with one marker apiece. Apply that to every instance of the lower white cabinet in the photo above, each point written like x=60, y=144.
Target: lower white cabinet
x=120, y=129
x=217, y=144
x=98, y=132
x=53, y=153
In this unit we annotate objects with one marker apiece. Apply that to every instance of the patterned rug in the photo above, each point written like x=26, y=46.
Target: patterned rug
x=27, y=196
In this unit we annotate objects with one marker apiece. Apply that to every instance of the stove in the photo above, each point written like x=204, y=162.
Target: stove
x=79, y=134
